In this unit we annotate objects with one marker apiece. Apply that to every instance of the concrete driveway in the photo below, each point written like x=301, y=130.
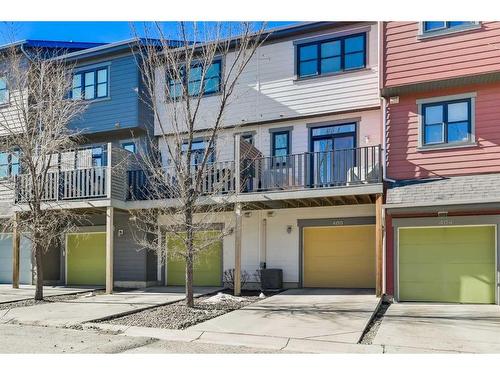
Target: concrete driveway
x=8, y=294
x=323, y=319
x=432, y=327
x=83, y=309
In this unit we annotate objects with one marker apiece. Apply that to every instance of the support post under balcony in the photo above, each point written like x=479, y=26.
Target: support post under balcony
x=378, y=245
x=109, y=249
x=237, y=250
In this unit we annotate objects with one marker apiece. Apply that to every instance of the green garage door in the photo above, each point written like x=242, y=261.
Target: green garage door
x=207, y=267
x=448, y=264
x=86, y=259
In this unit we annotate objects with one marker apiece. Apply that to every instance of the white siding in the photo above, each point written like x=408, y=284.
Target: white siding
x=268, y=89
x=282, y=247
x=368, y=133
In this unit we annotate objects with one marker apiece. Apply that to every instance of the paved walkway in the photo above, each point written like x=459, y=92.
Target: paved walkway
x=9, y=294
x=428, y=327
x=305, y=320
x=84, y=309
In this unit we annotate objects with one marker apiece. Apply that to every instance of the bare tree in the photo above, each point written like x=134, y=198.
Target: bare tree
x=192, y=181
x=34, y=132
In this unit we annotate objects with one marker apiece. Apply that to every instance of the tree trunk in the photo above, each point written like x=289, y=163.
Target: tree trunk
x=38, y=272
x=189, y=256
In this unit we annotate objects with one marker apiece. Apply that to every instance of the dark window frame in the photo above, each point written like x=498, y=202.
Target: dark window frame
x=444, y=104
x=200, y=151
x=277, y=160
x=10, y=165
x=202, y=91
x=95, y=84
x=5, y=90
x=342, y=55
x=129, y=143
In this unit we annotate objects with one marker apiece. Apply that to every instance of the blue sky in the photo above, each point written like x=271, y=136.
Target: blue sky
x=77, y=31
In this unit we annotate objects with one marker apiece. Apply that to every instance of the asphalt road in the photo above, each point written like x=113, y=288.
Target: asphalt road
x=36, y=339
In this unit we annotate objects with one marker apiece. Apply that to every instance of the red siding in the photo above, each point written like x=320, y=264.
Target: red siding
x=409, y=60
x=405, y=161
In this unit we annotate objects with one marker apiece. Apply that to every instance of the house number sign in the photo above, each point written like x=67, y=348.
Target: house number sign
x=338, y=222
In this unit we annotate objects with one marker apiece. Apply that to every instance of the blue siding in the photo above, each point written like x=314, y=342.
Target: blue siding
x=122, y=106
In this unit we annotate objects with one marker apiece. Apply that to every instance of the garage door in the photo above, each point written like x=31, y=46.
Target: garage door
x=339, y=257
x=449, y=264
x=86, y=259
x=207, y=267
x=6, y=260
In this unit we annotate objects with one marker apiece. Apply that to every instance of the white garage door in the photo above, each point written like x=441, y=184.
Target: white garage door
x=6, y=260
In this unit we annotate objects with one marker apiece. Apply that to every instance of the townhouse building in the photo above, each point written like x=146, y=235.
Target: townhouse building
x=92, y=178
x=307, y=110
x=440, y=84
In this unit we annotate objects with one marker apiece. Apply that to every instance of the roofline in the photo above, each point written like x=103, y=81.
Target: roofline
x=41, y=41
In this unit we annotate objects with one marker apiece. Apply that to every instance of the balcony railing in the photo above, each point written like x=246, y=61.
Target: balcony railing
x=313, y=170
x=308, y=170
x=84, y=183
x=216, y=178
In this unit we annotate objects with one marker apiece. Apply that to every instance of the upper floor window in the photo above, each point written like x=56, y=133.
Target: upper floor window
x=196, y=83
x=429, y=26
x=331, y=56
x=198, y=151
x=9, y=164
x=447, y=122
x=280, y=146
x=129, y=146
x=4, y=92
x=90, y=84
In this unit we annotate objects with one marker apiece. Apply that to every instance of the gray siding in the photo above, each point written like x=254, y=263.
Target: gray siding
x=122, y=105
x=130, y=260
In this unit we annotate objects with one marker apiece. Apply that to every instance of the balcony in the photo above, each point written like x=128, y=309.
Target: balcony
x=258, y=174
x=96, y=173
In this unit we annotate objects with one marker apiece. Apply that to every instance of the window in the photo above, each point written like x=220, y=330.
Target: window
x=129, y=146
x=280, y=147
x=4, y=92
x=248, y=138
x=447, y=122
x=197, y=152
x=9, y=164
x=210, y=84
x=331, y=56
x=98, y=157
x=444, y=25
x=90, y=84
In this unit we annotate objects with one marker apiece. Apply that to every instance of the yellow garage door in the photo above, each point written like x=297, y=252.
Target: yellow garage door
x=339, y=257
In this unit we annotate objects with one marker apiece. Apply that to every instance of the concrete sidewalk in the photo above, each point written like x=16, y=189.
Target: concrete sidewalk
x=330, y=315
x=9, y=294
x=434, y=327
x=83, y=309
x=304, y=320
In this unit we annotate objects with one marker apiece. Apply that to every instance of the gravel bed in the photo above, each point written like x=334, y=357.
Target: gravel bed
x=32, y=302
x=372, y=329
x=178, y=316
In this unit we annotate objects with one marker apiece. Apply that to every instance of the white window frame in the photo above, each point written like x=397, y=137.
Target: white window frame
x=422, y=34
x=7, y=93
x=471, y=142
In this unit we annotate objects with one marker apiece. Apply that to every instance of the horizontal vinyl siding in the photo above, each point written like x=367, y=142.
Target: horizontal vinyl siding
x=268, y=90
x=129, y=259
x=409, y=60
x=405, y=161
x=122, y=107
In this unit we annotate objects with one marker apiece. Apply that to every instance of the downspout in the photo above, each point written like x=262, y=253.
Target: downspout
x=381, y=72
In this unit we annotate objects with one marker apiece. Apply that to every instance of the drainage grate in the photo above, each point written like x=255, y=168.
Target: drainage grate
x=372, y=327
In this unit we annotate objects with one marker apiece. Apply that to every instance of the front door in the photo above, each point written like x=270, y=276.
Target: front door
x=332, y=154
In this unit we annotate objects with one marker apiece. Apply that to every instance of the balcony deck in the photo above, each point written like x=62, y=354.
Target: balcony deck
x=348, y=176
